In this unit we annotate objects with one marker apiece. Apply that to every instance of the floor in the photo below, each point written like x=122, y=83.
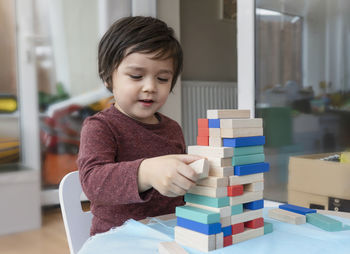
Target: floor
x=50, y=238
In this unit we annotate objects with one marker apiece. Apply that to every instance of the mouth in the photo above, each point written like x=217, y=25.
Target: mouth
x=146, y=102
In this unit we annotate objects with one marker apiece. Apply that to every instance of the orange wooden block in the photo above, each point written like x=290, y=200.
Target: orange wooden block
x=203, y=132
x=227, y=240
x=203, y=123
x=256, y=223
x=235, y=190
x=237, y=228
x=202, y=141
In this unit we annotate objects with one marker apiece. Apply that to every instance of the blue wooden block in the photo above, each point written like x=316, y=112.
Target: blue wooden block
x=241, y=170
x=227, y=230
x=208, y=229
x=214, y=123
x=297, y=209
x=245, y=141
x=255, y=205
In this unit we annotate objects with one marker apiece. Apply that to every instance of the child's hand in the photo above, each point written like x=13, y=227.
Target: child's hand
x=169, y=174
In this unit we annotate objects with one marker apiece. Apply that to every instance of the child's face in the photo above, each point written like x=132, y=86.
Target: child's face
x=141, y=85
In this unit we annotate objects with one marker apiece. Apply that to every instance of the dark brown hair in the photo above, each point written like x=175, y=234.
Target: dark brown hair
x=137, y=34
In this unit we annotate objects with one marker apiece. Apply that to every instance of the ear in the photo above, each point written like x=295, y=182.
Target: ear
x=106, y=84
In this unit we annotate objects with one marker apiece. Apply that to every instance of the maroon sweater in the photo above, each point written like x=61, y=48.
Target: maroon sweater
x=112, y=147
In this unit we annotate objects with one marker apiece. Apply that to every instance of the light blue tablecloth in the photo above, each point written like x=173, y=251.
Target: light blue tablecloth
x=135, y=237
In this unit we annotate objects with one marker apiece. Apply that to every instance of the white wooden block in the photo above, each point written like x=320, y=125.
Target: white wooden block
x=210, y=151
x=214, y=132
x=194, y=239
x=201, y=167
x=208, y=191
x=237, y=180
x=170, y=248
x=241, y=123
x=224, y=211
x=247, y=215
x=249, y=233
x=246, y=197
x=215, y=141
x=219, y=162
x=225, y=221
x=221, y=171
x=287, y=216
x=213, y=181
x=228, y=113
x=219, y=241
x=241, y=132
x=257, y=186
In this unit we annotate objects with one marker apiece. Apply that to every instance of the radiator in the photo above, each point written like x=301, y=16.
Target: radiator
x=198, y=96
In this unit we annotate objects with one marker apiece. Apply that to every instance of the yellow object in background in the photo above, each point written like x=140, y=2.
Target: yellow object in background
x=8, y=103
x=345, y=157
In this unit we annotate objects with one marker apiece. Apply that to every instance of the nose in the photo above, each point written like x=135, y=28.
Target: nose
x=149, y=86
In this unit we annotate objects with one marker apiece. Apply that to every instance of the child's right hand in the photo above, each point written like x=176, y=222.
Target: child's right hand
x=169, y=174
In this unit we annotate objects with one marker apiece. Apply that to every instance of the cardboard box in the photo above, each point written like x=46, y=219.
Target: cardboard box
x=319, y=184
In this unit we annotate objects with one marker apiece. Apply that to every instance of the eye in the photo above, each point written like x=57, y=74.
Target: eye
x=136, y=77
x=163, y=80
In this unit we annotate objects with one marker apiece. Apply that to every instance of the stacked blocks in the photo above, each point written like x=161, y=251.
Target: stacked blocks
x=226, y=207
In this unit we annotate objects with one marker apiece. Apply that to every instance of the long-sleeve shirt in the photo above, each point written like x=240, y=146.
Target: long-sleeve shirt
x=112, y=147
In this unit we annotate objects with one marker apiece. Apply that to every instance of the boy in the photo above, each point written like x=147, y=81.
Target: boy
x=132, y=159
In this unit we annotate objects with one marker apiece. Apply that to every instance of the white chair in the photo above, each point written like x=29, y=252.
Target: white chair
x=76, y=222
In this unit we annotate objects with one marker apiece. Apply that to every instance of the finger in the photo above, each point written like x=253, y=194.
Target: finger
x=187, y=172
x=178, y=191
x=183, y=182
x=187, y=158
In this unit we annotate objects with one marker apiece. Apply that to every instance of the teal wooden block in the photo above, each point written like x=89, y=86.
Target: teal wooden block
x=247, y=150
x=236, y=209
x=197, y=214
x=248, y=159
x=324, y=222
x=268, y=227
x=208, y=201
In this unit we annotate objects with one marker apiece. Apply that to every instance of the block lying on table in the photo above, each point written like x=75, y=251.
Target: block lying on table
x=286, y=216
x=324, y=222
x=297, y=209
x=201, y=167
x=209, y=151
x=228, y=113
x=170, y=248
x=194, y=239
x=197, y=214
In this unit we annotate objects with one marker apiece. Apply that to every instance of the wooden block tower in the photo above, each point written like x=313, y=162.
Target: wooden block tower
x=226, y=207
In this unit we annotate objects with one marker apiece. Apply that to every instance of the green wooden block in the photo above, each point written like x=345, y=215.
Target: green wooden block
x=208, y=201
x=236, y=209
x=197, y=214
x=248, y=159
x=247, y=150
x=324, y=222
x=268, y=227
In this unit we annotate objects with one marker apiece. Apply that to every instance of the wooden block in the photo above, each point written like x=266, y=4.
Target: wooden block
x=235, y=180
x=249, y=169
x=297, y=209
x=202, y=141
x=268, y=227
x=241, y=123
x=194, y=239
x=236, y=209
x=227, y=240
x=224, y=211
x=225, y=221
x=219, y=244
x=219, y=162
x=248, y=159
x=197, y=214
x=247, y=150
x=213, y=181
x=254, y=205
x=241, y=132
x=215, y=141
x=209, y=191
x=207, y=201
x=203, y=132
x=215, y=132
x=227, y=230
x=170, y=248
x=209, y=151
x=324, y=222
x=221, y=171
x=246, y=197
x=228, y=113
x=247, y=215
x=247, y=235
x=235, y=190
x=256, y=223
x=214, y=123
x=256, y=186
x=201, y=167
x=208, y=229
x=202, y=123
x=245, y=141
x=237, y=228
x=286, y=216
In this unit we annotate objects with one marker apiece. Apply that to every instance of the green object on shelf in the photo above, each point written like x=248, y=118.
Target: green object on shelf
x=324, y=222
x=268, y=227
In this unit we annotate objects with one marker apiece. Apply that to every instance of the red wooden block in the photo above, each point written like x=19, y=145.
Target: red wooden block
x=227, y=240
x=203, y=123
x=203, y=132
x=234, y=190
x=237, y=228
x=202, y=141
x=256, y=223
